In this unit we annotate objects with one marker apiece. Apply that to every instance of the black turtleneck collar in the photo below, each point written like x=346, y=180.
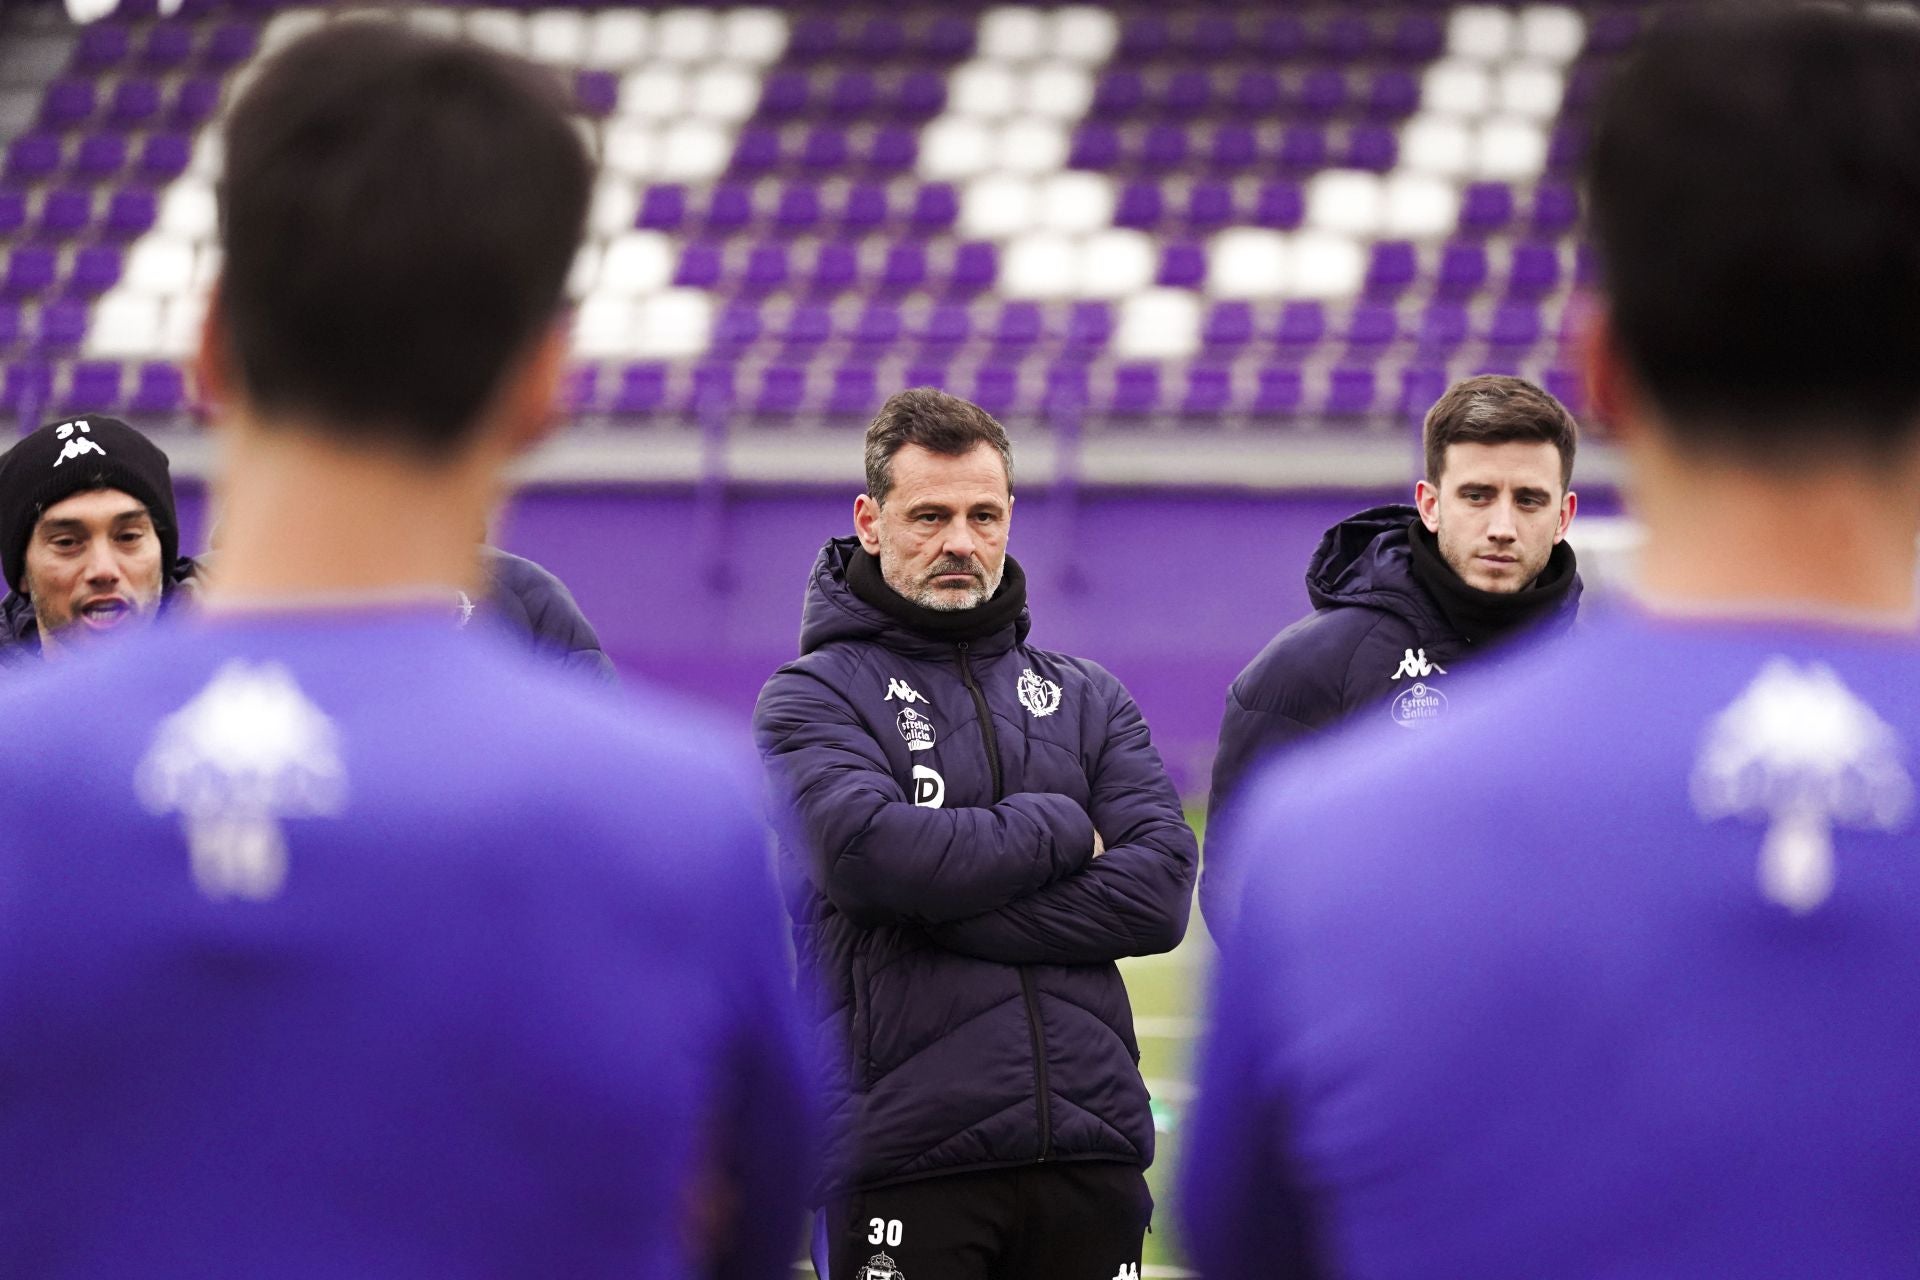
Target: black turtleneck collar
x=1480, y=616
x=955, y=625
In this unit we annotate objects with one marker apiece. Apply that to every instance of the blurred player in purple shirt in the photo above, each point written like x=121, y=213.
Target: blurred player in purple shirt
x=1618, y=974
x=336, y=941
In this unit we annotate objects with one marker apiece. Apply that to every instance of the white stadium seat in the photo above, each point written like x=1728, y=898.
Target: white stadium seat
x=726, y=92
x=208, y=155
x=983, y=88
x=124, y=324
x=997, y=206
x=629, y=149
x=675, y=324
x=694, y=151
x=1159, y=324
x=501, y=28
x=635, y=263
x=604, y=326
x=1076, y=202
x=955, y=147
x=1324, y=265
x=585, y=271
x=686, y=35
x=1247, y=262
x=1456, y=87
x=188, y=211
x=1085, y=34
x=1510, y=149
x=615, y=205
x=206, y=268
x=1345, y=200
x=159, y=267
x=1014, y=33
x=1058, y=91
x=1115, y=263
x=1530, y=89
x=1436, y=144
x=655, y=92
x=757, y=36
x=558, y=37
x=618, y=38
x=1033, y=146
x=181, y=322
x=1042, y=265
x=1556, y=33
x=1420, y=206
x=1481, y=32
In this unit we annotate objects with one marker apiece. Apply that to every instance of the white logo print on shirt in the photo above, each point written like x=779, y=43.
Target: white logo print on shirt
x=897, y=688
x=1415, y=664
x=1038, y=695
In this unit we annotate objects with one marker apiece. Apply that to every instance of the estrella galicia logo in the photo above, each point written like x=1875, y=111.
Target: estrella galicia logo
x=929, y=788
x=1417, y=704
x=915, y=728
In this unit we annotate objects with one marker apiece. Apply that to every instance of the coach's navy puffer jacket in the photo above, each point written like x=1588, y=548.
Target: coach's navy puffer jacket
x=946, y=906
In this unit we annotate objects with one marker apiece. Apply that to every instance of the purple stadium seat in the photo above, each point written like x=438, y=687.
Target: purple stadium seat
x=737, y=327
x=1566, y=148
x=1515, y=324
x=1209, y=204
x=1257, y=95
x=1068, y=388
x=1018, y=326
x=1089, y=327
x=757, y=150
x=948, y=37
x=878, y=325
x=905, y=266
x=580, y=388
x=596, y=93
x=1417, y=37
x=835, y=268
x=1569, y=388
x=1420, y=386
x=62, y=326
x=1535, y=270
x=1119, y=93
x=1612, y=31
x=854, y=93
x=799, y=207
x=1344, y=37
x=1163, y=147
x=1183, y=265
x=1351, y=390
x=68, y=103
x=1136, y=390
x=165, y=156
x=825, y=148
x=31, y=270
x=1186, y=93
x=93, y=386
x=996, y=388
x=101, y=47
x=1555, y=208
x=1281, y=38
x=926, y=370
x=11, y=328
x=1323, y=92
x=1279, y=205
x=1463, y=269
x=1233, y=147
x=1144, y=37
x=783, y=390
x=1393, y=95
x=935, y=207
x=1302, y=325
x=26, y=388
x=1279, y=390
x=1213, y=36
x=1096, y=146
x=711, y=388
x=784, y=94
x=976, y=264
x=945, y=325
x=813, y=37
x=1372, y=325
x=131, y=212
x=1372, y=147
x=1209, y=389
x=1584, y=83
x=1443, y=327
x=699, y=267
x=96, y=269
x=32, y=157
x=101, y=155
x=168, y=46
x=194, y=102
x=1303, y=148
x=1485, y=207
x=231, y=44
x=879, y=38
x=863, y=206
x=136, y=9
x=1228, y=326
x=136, y=101
x=729, y=207
x=1139, y=206
x=663, y=208
x=159, y=390
x=893, y=148
x=920, y=95
x=13, y=213
x=855, y=393
x=767, y=268
x=806, y=326
x=643, y=389
x=1391, y=268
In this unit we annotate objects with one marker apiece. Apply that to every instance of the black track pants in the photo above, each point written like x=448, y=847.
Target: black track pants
x=1074, y=1221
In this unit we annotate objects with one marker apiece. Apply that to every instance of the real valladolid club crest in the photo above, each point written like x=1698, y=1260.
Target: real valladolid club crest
x=1800, y=752
x=880, y=1267
x=1037, y=694
x=915, y=728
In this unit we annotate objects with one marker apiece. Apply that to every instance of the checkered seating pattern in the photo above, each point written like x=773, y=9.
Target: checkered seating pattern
x=1147, y=217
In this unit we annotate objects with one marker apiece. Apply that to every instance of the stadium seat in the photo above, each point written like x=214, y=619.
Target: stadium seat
x=32, y=158
x=96, y=268
x=62, y=325
x=1392, y=269
x=1139, y=205
x=642, y=389
x=663, y=208
x=102, y=46
x=1183, y=264
x=68, y=103
x=159, y=390
x=13, y=213
x=136, y=102
x=65, y=213
x=835, y=267
x=167, y=48
x=1136, y=390
x=92, y=386
x=1280, y=391
x=1209, y=390
x=164, y=156
x=31, y=271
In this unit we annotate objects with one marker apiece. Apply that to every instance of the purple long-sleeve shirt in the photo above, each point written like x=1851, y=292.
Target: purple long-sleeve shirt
x=1616, y=975
x=356, y=945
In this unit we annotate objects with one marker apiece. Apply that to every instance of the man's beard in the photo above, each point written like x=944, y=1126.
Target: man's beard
x=928, y=596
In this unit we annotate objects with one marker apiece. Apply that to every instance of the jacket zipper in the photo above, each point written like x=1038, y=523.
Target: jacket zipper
x=1026, y=978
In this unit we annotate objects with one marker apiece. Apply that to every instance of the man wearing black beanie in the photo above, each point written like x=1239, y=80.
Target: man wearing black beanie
x=88, y=535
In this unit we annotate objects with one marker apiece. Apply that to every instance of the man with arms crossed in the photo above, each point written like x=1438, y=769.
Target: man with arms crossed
x=985, y=829
x=362, y=945
x=1405, y=597
x=1617, y=975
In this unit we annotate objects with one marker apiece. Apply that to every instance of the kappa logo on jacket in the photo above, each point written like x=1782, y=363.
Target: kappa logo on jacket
x=1038, y=695
x=897, y=688
x=1415, y=664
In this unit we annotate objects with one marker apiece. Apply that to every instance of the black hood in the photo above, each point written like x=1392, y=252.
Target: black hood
x=1366, y=559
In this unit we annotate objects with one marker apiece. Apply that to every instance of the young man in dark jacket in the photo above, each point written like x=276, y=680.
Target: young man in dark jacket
x=1406, y=596
x=985, y=828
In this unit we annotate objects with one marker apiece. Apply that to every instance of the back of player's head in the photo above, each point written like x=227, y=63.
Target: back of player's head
x=1754, y=190
x=398, y=214
x=1492, y=408
x=937, y=422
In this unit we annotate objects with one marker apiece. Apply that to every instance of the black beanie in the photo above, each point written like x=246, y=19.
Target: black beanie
x=73, y=456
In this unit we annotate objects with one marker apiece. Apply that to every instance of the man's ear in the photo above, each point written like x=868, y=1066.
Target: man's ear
x=866, y=523
x=1613, y=392
x=1568, y=505
x=530, y=400
x=1426, y=499
x=213, y=378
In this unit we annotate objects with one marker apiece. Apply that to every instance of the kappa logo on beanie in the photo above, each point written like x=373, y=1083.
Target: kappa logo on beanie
x=76, y=445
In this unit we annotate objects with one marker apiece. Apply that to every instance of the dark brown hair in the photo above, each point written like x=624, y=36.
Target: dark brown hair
x=1496, y=409
x=938, y=423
